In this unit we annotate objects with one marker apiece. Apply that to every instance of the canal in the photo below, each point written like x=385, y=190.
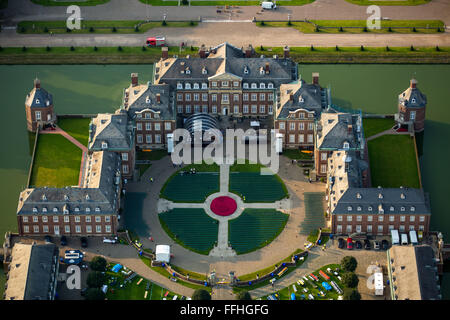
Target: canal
x=98, y=88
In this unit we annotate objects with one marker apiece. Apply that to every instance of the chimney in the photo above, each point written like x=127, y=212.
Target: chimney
x=158, y=98
x=413, y=83
x=286, y=52
x=249, y=51
x=267, y=68
x=37, y=83
x=315, y=78
x=164, y=53
x=202, y=51
x=134, y=79
x=350, y=129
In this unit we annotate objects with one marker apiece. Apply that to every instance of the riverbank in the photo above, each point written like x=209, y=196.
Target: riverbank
x=143, y=55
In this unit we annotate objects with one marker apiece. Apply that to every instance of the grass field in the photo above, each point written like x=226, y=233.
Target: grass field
x=99, y=26
x=393, y=162
x=191, y=228
x=372, y=126
x=151, y=155
x=255, y=228
x=314, y=212
x=358, y=26
x=140, y=55
x=190, y=187
x=297, y=154
x=77, y=128
x=133, y=291
x=57, y=162
x=285, y=293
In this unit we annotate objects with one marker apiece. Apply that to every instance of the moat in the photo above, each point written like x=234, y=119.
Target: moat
x=93, y=89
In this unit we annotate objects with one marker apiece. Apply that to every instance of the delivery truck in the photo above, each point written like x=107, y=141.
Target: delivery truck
x=395, y=237
x=267, y=5
x=413, y=237
x=158, y=41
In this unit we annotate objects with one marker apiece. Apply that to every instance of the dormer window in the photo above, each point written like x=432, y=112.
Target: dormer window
x=44, y=210
x=66, y=197
x=179, y=85
x=370, y=208
x=87, y=197
x=88, y=210
x=261, y=70
x=196, y=86
x=359, y=208
x=380, y=209
x=35, y=210
x=245, y=85
x=402, y=196
x=246, y=70
x=44, y=198
x=147, y=100
x=38, y=101
x=413, y=208
x=66, y=211
x=188, y=71
x=346, y=145
x=358, y=195
x=97, y=209
x=349, y=208
x=300, y=99
x=55, y=209
x=187, y=86
x=380, y=196
x=270, y=86
x=262, y=85
x=402, y=208
x=413, y=100
x=204, y=86
x=204, y=71
x=104, y=145
x=77, y=209
x=391, y=208
x=254, y=86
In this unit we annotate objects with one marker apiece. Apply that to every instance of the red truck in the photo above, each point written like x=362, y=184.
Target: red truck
x=156, y=41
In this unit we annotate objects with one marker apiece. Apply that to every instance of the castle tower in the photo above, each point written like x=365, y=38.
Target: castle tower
x=411, y=108
x=39, y=107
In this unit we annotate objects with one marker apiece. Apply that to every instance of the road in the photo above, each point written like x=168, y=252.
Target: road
x=134, y=10
x=229, y=32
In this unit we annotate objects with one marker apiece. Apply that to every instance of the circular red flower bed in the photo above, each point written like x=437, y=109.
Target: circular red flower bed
x=223, y=206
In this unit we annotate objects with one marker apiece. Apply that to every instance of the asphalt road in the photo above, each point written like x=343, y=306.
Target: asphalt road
x=19, y=10
x=224, y=32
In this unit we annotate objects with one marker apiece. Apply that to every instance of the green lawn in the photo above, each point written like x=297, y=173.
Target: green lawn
x=285, y=293
x=314, y=213
x=372, y=126
x=57, y=162
x=133, y=291
x=143, y=167
x=393, y=162
x=357, y=26
x=246, y=180
x=389, y=3
x=190, y=187
x=77, y=128
x=68, y=3
x=255, y=228
x=99, y=26
x=297, y=154
x=191, y=228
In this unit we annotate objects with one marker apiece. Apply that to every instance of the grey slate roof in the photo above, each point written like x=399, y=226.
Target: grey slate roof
x=412, y=98
x=427, y=273
x=39, y=98
x=227, y=59
x=113, y=129
x=32, y=272
x=333, y=131
x=101, y=193
x=391, y=198
x=311, y=98
x=147, y=100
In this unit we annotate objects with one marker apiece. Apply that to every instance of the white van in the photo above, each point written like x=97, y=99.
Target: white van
x=268, y=5
x=404, y=239
x=413, y=237
x=395, y=237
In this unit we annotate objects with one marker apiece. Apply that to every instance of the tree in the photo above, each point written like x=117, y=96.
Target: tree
x=350, y=280
x=201, y=294
x=98, y=263
x=351, y=294
x=94, y=294
x=349, y=263
x=244, y=295
x=95, y=279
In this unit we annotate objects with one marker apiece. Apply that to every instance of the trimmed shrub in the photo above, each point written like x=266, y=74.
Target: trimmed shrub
x=414, y=29
x=119, y=48
x=317, y=29
x=438, y=49
x=144, y=48
x=48, y=48
x=412, y=48
x=72, y=48
x=136, y=29
x=337, y=48
x=45, y=29
x=91, y=29
x=164, y=23
x=387, y=48
x=365, y=29
x=289, y=23
x=261, y=48
x=312, y=48
x=362, y=48
x=341, y=29
x=95, y=49
x=263, y=23
x=191, y=23
x=22, y=29
x=114, y=29
x=24, y=48
x=389, y=29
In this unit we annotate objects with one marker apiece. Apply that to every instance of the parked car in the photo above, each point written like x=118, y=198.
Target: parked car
x=384, y=244
x=366, y=244
x=341, y=243
x=358, y=244
x=64, y=241
x=349, y=244
x=84, y=242
x=376, y=245
x=48, y=239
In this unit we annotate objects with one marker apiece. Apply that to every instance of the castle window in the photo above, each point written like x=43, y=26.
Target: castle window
x=204, y=71
x=412, y=115
x=44, y=210
x=104, y=145
x=245, y=85
x=270, y=86
x=187, y=85
x=179, y=85
x=55, y=209
x=38, y=115
x=413, y=100
x=254, y=86
x=262, y=85
x=35, y=210
x=196, y=86
x=246, y=70
x=300, y=99
x=38, y=101
x=346, y=145
x=204, y=86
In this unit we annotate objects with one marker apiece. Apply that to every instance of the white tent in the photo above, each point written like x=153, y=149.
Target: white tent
x=163, y=253
x=378, y=283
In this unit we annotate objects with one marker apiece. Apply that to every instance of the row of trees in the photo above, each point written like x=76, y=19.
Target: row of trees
x=350, y=279
x=96, y=279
